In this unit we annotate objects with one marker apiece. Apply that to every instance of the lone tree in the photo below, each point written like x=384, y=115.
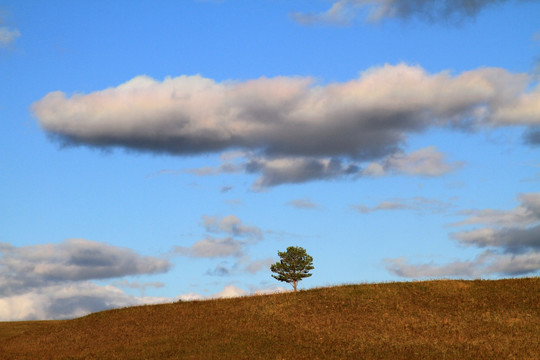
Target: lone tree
x=294, y=265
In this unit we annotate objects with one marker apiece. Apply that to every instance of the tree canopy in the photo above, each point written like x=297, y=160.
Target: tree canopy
x=295, y=265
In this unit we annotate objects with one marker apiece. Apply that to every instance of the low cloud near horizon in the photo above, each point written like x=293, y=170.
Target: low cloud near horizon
x=27, y=267
x=58, y=281
x=52, y=281
x=510, y=240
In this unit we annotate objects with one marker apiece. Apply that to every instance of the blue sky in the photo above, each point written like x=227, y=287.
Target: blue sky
x=156, y=151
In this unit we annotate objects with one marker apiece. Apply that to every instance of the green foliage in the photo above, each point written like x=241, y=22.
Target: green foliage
x=294, y=266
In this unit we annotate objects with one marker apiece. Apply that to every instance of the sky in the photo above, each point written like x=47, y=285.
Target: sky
x=156, y=151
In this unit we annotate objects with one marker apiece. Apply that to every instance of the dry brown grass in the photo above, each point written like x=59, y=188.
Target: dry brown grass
x=417, y=320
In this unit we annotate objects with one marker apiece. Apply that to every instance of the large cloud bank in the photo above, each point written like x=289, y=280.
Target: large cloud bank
x=510, y=240
x=291, y=128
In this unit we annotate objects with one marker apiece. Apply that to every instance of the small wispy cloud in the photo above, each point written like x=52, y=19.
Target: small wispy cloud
x=165, y=172
x=243, y=264
x=419, y=204
x=233, y=246
x=231, y=225
x=211, y=247
x=341, y=13
x=306, y=204
x=234, y=202
x=423, y=162
x=8, y=35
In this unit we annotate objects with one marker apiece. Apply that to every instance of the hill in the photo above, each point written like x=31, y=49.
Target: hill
x=443, y=319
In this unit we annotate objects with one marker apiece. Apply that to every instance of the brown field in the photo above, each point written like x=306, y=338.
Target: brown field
x=414, y=320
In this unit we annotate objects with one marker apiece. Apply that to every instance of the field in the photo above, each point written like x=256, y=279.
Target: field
x=444, y=319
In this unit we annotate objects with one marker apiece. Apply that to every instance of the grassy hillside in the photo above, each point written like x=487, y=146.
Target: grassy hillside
x=419, y=320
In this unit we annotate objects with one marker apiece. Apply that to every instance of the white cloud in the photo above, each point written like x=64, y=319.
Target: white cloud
x=230, y=225
x=60, y=287
x=72, y=260
x=342, y=12
x=513, y=240
x=64, y=301
x=235, y=202
x=427, y=162
x=488, y=263
x=249, y=265
x=189, y=297
x=511, y=244
x=294, y=170
x=235, y=245
x=303, y=204
x=243, y=264
x=8, y=36
x=527, y=213
x=213, y=248
x=73, y=300
x=51, y=281
x=230, y=291
x=402, y=267
x=385, y=205
x=419, y=204
x=374, y=170
x=291, y=129
x=273, y=290
x=514, y=264
x=524, y=110
x=423, y=162
x=137, y=285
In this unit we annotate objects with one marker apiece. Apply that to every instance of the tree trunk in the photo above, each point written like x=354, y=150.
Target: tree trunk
x=294, y=285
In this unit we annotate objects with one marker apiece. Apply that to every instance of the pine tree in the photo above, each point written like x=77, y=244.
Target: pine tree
x=294, y=265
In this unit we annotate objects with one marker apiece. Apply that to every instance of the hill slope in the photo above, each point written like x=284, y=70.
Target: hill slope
x=418, y=320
